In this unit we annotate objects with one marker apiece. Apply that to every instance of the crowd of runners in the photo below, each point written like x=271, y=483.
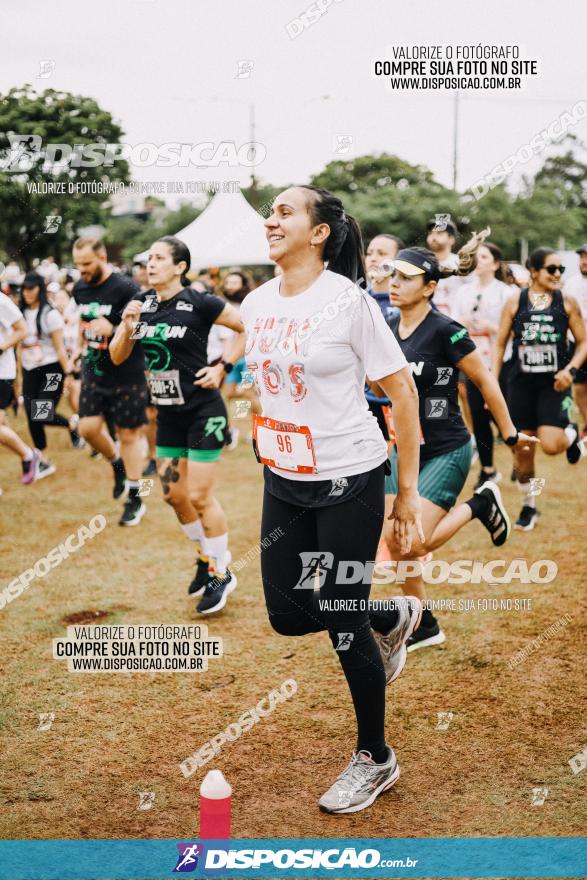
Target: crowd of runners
x=375, y=378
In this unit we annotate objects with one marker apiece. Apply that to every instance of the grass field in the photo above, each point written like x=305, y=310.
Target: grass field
x=114, y=735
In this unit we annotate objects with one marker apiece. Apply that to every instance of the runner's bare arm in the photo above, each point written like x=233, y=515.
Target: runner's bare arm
x=122, y=345
x=473, y=367
x=400, y=388
x=211, y=377
x=19, y=331
x=577, y=328
x=503, y=332
x=58, y=345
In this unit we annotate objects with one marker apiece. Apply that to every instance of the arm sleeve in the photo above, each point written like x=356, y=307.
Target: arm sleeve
x=129, y=291
x=373, y=342
x=53, y=321
x=9, y=312
x=210, y=305
x=457, y=342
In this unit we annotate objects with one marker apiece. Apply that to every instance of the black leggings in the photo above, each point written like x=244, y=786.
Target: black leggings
x=37, y=386
x=481, y=424
x=350, y=531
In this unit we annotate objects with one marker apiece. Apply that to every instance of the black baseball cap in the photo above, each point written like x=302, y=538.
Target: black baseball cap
x=33, y=279
x=412, y=263
x=443, y=226
x=582, y=249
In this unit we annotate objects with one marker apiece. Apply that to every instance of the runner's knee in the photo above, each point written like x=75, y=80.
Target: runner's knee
x=200, y=497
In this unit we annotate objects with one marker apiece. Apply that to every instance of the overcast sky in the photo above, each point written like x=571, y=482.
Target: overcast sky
x=167, y=71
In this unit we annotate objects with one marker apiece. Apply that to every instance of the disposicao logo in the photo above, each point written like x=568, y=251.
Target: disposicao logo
x=187, y=861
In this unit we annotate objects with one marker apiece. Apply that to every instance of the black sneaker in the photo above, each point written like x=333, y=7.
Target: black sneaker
x=133, y=512
x=495, y=519
x=198, y=585
x=494, y=476
x=426, y=637
x=575, y=450
x=77, y=441
x=119, y=478
x=527, y=519
x=151, y=469
x=45, y=469
x=216, y=593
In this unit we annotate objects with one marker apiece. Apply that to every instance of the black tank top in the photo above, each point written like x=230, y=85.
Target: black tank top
x=540, y=337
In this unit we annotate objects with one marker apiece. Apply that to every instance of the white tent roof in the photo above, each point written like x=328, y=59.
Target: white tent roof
x=229, y=232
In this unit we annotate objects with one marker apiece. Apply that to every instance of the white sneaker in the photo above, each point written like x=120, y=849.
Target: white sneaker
x=357, y=787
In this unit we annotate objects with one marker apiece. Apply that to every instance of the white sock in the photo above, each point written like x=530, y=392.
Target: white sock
x=529, y=499
x=29, y=455
x=217, y=551
x=572, y=434
x=194, y=531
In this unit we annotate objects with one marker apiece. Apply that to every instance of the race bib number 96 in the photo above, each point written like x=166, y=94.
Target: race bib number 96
x=284, y=446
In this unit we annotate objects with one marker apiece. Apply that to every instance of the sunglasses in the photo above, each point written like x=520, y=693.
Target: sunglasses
x=552, y=270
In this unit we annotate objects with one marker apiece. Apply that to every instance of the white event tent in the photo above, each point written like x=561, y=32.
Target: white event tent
x=228, y=232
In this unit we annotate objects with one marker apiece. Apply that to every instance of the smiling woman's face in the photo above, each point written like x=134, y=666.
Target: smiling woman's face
x=544, y=279
x=289, y=228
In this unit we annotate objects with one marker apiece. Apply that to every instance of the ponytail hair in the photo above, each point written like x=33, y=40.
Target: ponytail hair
x=343, y=251
x=180, y=252
x=465, y=260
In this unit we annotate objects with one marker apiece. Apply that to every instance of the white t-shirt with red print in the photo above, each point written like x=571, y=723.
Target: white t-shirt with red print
x=309, y=355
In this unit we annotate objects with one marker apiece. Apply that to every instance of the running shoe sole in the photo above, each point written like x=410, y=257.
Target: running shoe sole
x=230, y=587
x=138, y=517
x=374, y=794
x=415, y=618
x=438, y=639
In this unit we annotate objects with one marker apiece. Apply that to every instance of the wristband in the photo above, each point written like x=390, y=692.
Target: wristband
x=572, y=371
x=228, y=367
x=511, y=441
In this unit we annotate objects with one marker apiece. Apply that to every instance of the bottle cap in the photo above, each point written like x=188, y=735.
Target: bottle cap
x=215, y=786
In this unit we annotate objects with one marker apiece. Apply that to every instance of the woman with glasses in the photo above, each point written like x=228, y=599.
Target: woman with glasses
x=541, y=376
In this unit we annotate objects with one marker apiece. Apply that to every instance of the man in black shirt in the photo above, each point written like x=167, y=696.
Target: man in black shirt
x=107, y=390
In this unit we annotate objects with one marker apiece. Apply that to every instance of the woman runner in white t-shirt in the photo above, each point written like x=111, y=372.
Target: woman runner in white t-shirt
x=312, y=337
x=45, y=365
x=478, y=307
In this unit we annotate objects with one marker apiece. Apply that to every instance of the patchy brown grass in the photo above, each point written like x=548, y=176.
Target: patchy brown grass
x=117, y=734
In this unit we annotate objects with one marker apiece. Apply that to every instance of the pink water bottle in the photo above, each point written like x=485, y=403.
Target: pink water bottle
x=215, y=795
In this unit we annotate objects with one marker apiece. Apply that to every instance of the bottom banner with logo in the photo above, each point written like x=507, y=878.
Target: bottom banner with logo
x=334, y=857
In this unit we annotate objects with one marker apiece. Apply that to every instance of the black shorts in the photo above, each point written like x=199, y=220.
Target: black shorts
x=6, y=392
x=124, y=404
x=535, y=402
x=197, y=434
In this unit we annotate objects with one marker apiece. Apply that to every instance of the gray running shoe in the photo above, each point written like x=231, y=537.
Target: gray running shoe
x=393, y=646
x=357, y=787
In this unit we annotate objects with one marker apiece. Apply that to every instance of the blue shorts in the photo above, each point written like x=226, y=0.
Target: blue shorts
x=238, y=374
x=441, y=479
